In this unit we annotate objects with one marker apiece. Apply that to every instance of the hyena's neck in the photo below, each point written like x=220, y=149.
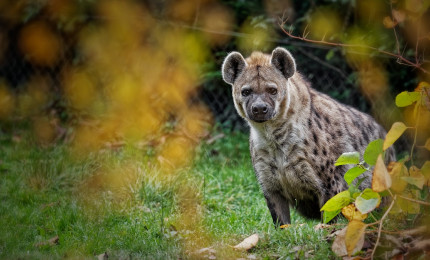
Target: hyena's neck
x=291, y=117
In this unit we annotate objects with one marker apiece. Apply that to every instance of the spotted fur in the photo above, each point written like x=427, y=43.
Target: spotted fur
x=296, y=133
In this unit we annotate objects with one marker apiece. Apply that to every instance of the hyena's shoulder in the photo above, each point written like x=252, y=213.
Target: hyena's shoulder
x=341, y=124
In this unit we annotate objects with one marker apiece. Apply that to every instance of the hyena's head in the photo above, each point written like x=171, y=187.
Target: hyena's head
x=260, y=82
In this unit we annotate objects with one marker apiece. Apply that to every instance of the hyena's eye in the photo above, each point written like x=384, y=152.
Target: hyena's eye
x=246, y=92
x=272, y=91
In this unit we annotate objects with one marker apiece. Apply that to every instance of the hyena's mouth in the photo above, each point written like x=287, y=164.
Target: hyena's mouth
x=261, y=118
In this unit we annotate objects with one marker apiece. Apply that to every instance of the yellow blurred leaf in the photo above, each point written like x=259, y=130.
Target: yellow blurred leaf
x=381, y=178
x=354, y=236
x=352, y=213
x=395, y=132
x=397, y=171
x=388, y=22
x=247, y=243
x=427, y=144
x=40, y=44
x=425, y=170
x=422, y=85
x=408, y=206
x=415, y=177
x=324, y=24
x=285, y=226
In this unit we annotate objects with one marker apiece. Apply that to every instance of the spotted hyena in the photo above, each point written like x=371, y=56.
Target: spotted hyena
x=296, y=132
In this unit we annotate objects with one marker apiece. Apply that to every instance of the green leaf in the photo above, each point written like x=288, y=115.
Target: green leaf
x=372, y=151
x=329, y=215
x=338, y=201
x=353, y=173
x=329, y=55
x=367, y=201
x=397, y=129
x=406, y=98
x=348, y=158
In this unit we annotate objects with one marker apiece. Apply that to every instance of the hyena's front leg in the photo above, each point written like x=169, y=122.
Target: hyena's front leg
x=279, y=208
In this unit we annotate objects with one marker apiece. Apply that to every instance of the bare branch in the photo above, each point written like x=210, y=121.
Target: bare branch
x=400, y=58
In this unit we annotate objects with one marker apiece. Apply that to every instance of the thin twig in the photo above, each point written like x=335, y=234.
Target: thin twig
x=414, y=200
x=394, y=30
x=400, y=58
x=380, y=226
x=416, y=128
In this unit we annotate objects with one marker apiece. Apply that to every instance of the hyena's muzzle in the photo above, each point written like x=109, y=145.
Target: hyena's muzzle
x=259, y=107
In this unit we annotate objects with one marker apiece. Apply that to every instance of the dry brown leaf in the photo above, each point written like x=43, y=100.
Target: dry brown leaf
x=247, y=243
x=51, y=242
x=321, y=226
x=338, y=246
x=381, y=178
x=103, y=256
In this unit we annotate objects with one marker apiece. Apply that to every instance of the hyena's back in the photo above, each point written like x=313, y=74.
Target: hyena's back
x=296, y=141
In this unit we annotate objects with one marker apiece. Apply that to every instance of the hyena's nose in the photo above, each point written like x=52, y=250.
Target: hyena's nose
x=259, y=109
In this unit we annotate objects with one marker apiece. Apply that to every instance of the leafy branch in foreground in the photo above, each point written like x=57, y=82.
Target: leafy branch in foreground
x=402, y=186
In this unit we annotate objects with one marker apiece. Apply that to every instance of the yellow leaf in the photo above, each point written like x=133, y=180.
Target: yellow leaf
x=425, y=170
x=408, y=206
x=415, y=177
x=421, y=86
x=397, y=171
x=354, y=236
x=247, y=243
x=381, y=178
x=285, y=226
x=388, y=22
x=352, y=213
x=395, y=132
x=427, y=145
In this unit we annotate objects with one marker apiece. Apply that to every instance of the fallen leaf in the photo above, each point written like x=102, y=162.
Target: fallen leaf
x=338, y=246
x=285, y=226
x=103, y=256
x=247, y=243
x=381, y=179
x=214, y=138
x=321, y=226
x=51, y=242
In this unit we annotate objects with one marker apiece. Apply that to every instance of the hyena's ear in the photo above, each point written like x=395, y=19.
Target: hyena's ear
x=284, y=62
x=233, y=65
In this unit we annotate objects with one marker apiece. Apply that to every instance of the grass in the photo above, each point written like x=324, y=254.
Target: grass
x=114, y=201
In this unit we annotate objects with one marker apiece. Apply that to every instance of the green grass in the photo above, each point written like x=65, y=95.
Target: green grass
x=48, y=192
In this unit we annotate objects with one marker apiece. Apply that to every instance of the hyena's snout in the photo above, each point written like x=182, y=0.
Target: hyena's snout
x=260, y=111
